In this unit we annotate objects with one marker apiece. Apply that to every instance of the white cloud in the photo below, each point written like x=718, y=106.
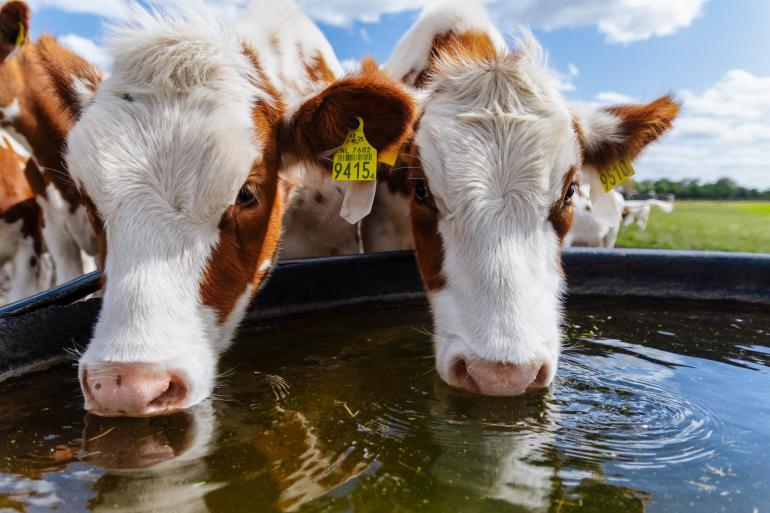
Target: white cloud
x=87, y=49
x=621, y=21
x=106, y=8
x=573, y=69
x=606, y=97
x=722, y=131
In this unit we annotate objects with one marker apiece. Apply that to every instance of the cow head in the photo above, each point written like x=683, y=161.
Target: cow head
x=498, y=153
x=182, y=152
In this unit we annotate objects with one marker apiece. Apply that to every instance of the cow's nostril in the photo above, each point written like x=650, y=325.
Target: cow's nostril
x=541, y=380
x=461, y=376
x=174, y=395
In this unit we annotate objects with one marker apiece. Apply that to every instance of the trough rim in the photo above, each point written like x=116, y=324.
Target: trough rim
x=671, y=275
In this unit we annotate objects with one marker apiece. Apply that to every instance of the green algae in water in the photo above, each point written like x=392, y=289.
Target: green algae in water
x=657, y=410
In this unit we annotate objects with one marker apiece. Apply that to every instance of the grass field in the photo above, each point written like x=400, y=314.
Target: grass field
x=710, y=225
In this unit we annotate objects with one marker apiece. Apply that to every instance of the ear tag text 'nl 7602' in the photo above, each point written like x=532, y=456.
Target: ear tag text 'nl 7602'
x=356, y=160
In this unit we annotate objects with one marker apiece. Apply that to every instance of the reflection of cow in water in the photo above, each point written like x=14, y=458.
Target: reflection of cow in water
x=311, y=449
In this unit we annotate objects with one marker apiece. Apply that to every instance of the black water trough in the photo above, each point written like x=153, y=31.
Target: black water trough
x=35, y=332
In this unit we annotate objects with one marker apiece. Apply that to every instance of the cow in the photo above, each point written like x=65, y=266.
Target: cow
x=187, y=155
x=638, y=211
x=21, y=237
x=34, y=117
x=587, y=229
x=492, y=173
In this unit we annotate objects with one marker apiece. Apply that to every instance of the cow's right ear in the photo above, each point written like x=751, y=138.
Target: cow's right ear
x=321, y=124
x=14, y=27
x=71, y=77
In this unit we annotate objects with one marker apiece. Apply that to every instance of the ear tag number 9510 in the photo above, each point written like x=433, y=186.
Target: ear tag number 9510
x=356, y=160
x=616, y=175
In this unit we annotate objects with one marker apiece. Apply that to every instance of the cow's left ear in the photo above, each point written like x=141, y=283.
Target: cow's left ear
x=321, y=123
x=610, y=134
x=73, y=79
x=14, y=27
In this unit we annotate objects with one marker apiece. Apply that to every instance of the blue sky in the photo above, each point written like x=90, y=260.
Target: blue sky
x=711, y=53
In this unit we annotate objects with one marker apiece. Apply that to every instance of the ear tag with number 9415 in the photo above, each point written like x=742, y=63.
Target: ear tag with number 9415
x=356, y=160
x=616, y=174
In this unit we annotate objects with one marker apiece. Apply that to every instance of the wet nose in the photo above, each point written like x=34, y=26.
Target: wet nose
x=485, y=377
x=131, y=389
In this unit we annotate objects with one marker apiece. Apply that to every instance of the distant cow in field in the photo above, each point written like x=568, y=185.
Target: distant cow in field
x=638, y=211
x=188, y=154
x=36, y=117
x=492, y=175
x=21, y=238
x=589, y=231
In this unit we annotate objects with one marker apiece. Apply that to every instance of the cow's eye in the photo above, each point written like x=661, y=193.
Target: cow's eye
x=421, y=193
x=246, y=196
x=570, y=193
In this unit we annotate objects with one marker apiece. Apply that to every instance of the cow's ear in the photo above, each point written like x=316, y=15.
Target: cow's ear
x=321, y=123
x=14, y=27
x=72, y=78
x=610, y=134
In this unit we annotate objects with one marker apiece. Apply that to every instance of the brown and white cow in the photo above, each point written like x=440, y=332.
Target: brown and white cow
x=188, y=153
x=492, y=171
x=21, y=238
x=36, y=117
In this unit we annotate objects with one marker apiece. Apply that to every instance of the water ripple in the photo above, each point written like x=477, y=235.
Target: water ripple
x=622, y=406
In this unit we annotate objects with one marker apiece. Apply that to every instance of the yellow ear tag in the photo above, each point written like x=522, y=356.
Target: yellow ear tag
x=21, y=36
x=616, y=175
x=356, y=160
x=389, y=156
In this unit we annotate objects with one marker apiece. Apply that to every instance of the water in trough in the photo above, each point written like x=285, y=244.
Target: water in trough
x=656, y=409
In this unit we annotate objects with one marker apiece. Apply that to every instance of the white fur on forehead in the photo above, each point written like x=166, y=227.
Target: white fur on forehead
x=174, y=120
x=519, y=83
x=181, y=47
x=502, y=132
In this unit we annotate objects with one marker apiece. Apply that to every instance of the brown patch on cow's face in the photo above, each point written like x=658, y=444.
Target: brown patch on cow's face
x=561, y=213
x=428, y=244
x=248, y=236
x=469, y=45
x=250, y=229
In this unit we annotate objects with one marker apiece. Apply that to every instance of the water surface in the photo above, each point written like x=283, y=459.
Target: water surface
x=656, y=409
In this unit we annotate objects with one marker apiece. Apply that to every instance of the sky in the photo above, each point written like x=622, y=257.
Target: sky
x=712, y=54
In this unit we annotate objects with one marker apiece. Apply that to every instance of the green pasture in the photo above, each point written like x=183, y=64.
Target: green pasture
x=708, y=225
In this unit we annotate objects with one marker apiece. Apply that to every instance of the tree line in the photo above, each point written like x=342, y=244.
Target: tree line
x=722, y=189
